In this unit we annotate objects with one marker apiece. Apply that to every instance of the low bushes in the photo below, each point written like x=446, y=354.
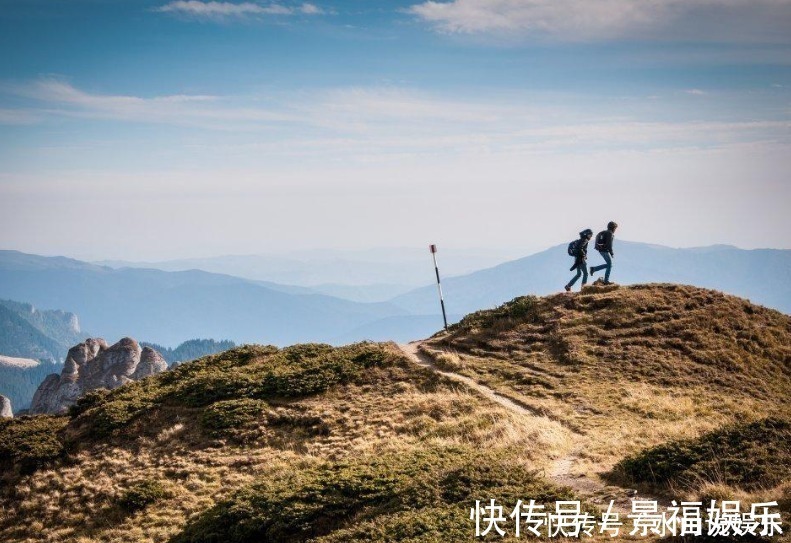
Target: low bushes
x=422, y=496
x=749, y=456
x=30, y=442
x=142, y=494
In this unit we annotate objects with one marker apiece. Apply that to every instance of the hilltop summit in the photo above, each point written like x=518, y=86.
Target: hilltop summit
x=628, y=368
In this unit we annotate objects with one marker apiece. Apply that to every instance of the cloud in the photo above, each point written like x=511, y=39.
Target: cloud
x=64, y=100
x=310, y=9
x=380, y=123
x=766, y=21
x=228, y=10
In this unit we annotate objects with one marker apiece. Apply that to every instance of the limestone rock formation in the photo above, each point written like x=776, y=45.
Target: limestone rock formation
x=5, y=407
x=91, y=365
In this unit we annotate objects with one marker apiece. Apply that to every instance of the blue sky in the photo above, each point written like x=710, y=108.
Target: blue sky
x=191, y=128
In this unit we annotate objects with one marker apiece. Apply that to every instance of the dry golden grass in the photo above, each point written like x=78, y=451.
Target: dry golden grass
x=600, y=375
x=407, y=409
x=628, y=368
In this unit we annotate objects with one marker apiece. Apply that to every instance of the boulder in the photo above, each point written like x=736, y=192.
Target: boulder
x=92, y=365
x=5, y=408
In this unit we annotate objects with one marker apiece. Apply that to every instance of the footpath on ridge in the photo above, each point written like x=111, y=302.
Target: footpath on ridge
x=560, y=470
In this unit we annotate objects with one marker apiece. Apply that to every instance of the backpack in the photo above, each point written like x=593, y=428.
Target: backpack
x=601, y=242
x=574, y=248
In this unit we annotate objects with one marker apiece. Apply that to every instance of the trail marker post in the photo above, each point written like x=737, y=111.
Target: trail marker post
x=433, y=249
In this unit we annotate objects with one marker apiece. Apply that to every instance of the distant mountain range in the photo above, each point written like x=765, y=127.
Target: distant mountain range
x=168, y=308
x=761, y=275
x=34, y=343
x=28, y=332
x=372, y=275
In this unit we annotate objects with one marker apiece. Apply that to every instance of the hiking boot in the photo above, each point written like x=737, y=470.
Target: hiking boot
x=607, y=283
x=568, y=288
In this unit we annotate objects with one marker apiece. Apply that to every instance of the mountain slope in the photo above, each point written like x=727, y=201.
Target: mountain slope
x=170, y=307
x=61, y=326
x=373, y=272
x=761, y=275
x=626, y=368
x=19, y=338
x=314, y=443
x=261, y=444
x=27, y=354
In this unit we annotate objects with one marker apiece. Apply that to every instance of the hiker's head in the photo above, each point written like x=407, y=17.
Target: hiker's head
x=586, y=234
x=612, y=225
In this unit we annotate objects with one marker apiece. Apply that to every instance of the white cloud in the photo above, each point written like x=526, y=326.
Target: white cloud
x=382, y=123
x=64, y=100
x=228, y=10
x=590, y=20
x=310, y=9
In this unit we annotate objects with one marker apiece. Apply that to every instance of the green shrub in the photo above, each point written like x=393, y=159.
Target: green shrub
x=106, y=414
x=233, y=418
x=30, y=442
x=520, y=309
x=750, y=456
x=417, y=490
x=88, y=401
x=142, y=494
x=249, y=372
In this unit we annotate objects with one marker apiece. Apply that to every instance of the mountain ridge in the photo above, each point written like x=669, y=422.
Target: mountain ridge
x=170, y=307
x=360, y=443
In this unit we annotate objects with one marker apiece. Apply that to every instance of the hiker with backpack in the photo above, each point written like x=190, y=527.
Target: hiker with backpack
x=579, y=250
x=604, y=246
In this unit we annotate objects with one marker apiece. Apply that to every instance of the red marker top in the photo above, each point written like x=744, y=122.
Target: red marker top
x=432, y=248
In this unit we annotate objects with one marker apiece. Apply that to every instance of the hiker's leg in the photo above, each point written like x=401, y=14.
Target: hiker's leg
x=574, y=279
x=584, y=269
x=606, y=256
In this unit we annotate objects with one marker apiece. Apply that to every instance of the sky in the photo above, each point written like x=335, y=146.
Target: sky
x=148, y=130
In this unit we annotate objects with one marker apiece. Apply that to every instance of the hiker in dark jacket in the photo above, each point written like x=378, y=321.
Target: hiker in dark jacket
x=580, y=258
x=604, y=246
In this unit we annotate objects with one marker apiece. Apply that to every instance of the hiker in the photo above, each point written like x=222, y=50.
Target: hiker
x=579, y=250
x=604, y=246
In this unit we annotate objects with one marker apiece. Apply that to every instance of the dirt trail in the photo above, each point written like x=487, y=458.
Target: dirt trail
x=561, y=471
x=412, y=350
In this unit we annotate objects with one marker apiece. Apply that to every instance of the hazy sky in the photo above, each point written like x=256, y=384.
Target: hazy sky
x=144, y=129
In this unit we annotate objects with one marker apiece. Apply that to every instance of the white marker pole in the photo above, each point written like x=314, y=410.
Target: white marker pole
x=433, y=249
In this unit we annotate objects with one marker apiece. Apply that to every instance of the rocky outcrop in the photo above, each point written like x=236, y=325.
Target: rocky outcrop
x=5, y=408
x=91, y=365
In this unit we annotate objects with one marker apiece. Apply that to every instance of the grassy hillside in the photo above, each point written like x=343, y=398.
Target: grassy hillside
x=750, y=456
x=261, y=444
x=629, y=368
x=361, y=443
